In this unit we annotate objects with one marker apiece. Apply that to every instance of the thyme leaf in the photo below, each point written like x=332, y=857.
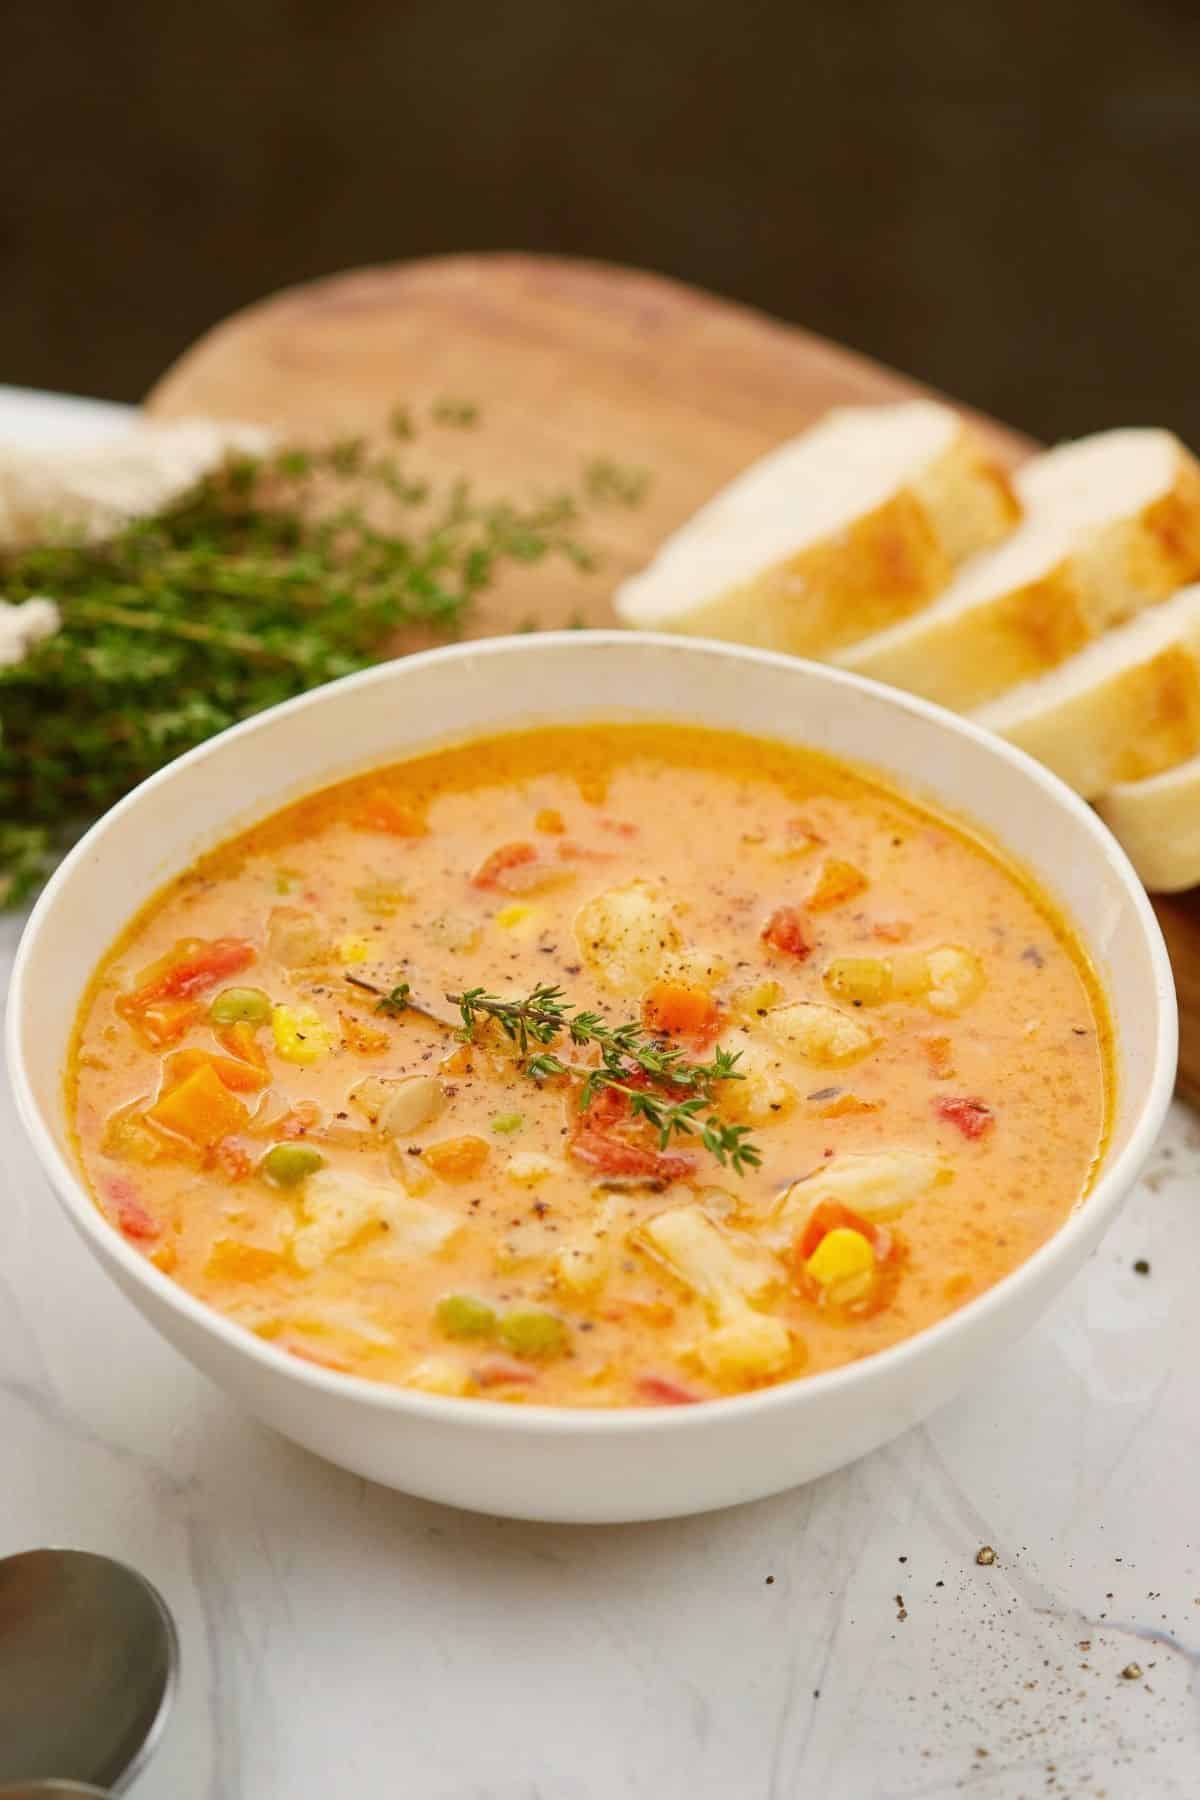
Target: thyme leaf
x=274, y=574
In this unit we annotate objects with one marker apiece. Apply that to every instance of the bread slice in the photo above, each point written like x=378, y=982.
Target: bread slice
x=1125, y=707
x=1112, y=525
x=87, y=493
x=1158, y=823
x=830, y=536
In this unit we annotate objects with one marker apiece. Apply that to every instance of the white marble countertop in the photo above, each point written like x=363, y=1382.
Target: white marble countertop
x=836, y=1643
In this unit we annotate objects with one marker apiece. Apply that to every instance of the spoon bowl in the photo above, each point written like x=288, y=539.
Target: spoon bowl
x=54, y=1790
x=88, y=1663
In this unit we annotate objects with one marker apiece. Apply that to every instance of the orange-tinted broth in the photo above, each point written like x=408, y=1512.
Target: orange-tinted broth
x=727, y=829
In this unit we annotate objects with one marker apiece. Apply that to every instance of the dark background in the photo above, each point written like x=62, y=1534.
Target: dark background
x=1004, y=200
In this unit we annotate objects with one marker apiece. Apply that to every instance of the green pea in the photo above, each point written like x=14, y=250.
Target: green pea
x=507, y=1122
x=234, y=1006
x=287, y=1165
x=463, y=1316
x=533, y=1333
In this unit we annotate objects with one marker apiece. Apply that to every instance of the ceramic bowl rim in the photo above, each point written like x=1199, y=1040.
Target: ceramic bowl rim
x=495, y=1417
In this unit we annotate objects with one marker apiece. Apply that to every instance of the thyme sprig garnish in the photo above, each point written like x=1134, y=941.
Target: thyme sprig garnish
x=677, y=1104
x=274, y=574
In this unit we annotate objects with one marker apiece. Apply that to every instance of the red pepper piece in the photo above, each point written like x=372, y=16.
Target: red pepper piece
x=193, y=966
x=660, y=1390
x=498, y=1371
x=612, y=1156
x=974, y=1118
x=785, y=931
x=132, y=1218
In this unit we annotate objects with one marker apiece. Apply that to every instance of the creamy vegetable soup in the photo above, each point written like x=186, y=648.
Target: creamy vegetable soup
x=598, y=1066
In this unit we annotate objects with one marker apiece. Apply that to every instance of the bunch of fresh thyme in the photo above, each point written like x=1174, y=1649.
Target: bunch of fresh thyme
x=275, y=574
x=681, y=1090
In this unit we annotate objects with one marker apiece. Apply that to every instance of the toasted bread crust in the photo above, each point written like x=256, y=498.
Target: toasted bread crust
x=886, y=565
x=1107, y=577
x=1142, y=720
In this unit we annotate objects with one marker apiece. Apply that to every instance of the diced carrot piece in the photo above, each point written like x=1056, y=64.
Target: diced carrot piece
x=364, y=1039
x=239, y=1077
x=551, y=821
x=831, y=1215
x=494, y=869
x=846, y=1106
x=241, y=1041
x=164, y=1022
x=890, y=1256
x=165, y=1257
x=836, y=883
x=228, y=1260
x=662, y=1391
x=458, y=1159
x=200, y=1109
x=786, y=932
x=382, y=811
x=974, y=1118
x=678, y=1010
x=193, y=965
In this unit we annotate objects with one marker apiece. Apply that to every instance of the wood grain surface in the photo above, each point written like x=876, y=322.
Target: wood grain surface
x=567, y=362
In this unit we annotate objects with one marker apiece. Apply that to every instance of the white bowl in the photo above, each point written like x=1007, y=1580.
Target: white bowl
x=547, y=1462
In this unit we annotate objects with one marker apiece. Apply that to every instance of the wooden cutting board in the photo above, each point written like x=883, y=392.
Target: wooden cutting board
x=567, y=362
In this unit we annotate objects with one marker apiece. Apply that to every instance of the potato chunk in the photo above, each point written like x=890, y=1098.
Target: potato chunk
x=762, y=1094
x=744, y=1345
x=876, y=1184
x=296, y=938
x=627, y=935
x=338, y=1208
x=946, y=978
x=820, y=1034
x=700, y=1255
x=746, y=1348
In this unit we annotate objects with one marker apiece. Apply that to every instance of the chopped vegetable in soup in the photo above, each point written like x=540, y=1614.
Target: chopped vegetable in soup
x=596, y=1066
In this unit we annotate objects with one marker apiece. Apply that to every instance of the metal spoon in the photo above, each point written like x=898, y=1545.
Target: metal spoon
x=88, y=1664
x=49, y=1790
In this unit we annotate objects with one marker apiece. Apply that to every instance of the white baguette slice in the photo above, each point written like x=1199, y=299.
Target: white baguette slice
x=1112, y=525
x=87, y=493
x=1124, y=708
x=1158, y=824
x=830, y=536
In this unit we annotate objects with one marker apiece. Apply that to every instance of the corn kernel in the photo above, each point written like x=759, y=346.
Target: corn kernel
x=301, y=1036
x=516, y=916
x=843, y=1263
x=352, y=949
